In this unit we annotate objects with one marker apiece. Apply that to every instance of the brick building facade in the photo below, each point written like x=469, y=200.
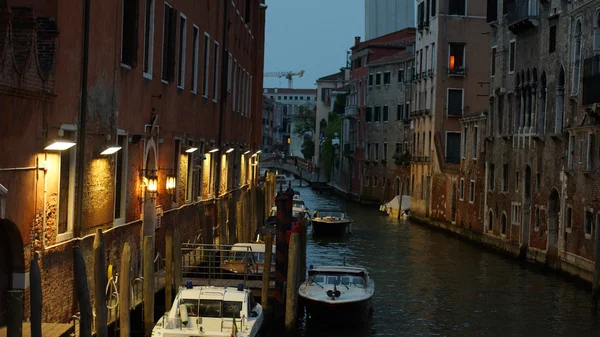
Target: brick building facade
x=172, y=85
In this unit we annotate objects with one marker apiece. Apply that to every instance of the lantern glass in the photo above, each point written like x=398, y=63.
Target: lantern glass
x=152, y=184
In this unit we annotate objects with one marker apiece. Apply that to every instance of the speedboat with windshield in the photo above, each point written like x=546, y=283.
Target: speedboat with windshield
x=337, y=292
x=208, y=311
x=330, y=222
x=247, y=258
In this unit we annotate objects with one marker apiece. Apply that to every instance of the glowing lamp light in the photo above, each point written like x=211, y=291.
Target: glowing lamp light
x=213, y=150
x=247, y=152
x=59, y=145
x=451, y=62
x=170, y=184
x=259, y=152
x=110, y=150
x=229, y=151
x=191, y=150
x=152, y=185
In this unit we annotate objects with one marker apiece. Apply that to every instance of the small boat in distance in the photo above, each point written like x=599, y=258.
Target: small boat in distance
x=338, y=293
x=211, y=312
x=330, y=222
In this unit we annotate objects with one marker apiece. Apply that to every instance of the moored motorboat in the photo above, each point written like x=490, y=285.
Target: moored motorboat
x=338, y=292
x=208, y=311
x=330, y=222
x=247, y=258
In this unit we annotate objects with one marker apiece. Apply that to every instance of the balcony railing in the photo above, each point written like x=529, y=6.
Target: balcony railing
x=458, y=71
x=420, y=159
x=522, y=15
x=351, y=111
x=419, y=113
x=591, y=80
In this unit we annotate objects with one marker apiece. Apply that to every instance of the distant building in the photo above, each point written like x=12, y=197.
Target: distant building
x=291, y=101
x=383, y=17
x=268, y=125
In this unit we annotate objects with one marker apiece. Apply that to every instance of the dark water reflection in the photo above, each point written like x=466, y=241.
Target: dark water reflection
x=430, y=284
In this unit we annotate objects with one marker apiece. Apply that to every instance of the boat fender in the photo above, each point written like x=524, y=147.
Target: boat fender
x=183, y=314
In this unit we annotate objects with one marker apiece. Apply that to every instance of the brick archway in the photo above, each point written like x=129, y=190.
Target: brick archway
x=12, y=261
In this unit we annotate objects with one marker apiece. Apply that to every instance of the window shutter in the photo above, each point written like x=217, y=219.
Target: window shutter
x=172, y=45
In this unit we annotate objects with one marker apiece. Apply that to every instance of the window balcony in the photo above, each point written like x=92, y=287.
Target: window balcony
x=420, y=113
x=522, y=15
x=591, y=80
x=460, y=71
x=351, y=111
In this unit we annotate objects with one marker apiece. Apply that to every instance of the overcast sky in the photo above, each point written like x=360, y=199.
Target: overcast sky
x=310, y=35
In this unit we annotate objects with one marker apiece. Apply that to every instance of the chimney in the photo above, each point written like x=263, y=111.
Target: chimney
x=356, y=40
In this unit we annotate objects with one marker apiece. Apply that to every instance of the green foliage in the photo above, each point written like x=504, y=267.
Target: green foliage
x=334, y=126
x=308, y=148
x=305, y=121
x=340, y=104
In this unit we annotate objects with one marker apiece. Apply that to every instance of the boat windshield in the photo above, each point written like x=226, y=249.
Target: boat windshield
x=212, y=308
x=347, y=280
x=237, y=256
x=298, y=203
x=332, y=214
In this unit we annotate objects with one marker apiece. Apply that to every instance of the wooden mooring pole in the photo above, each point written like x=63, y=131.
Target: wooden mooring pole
x=100, y=285
x=124, y=305
x=291, y=297
x=83, y=294
x=266, y=276
x=148, y=285
x=177, y=255
x=35, y=292
x=168, y=270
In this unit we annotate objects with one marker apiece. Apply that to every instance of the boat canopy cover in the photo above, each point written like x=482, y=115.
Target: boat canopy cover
x=338, y=270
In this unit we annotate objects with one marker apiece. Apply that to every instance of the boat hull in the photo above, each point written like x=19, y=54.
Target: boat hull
x=331, y=311
x=327, y=228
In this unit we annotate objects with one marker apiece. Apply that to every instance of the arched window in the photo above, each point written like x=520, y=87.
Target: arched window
x=560, y=102
x=504, y=223
x=576, y=57
x=541, y=125
x=490, y=225
x=597, y=34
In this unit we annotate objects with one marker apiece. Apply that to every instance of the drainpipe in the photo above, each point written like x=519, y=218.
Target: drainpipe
x=223, y=105
x=82, y=117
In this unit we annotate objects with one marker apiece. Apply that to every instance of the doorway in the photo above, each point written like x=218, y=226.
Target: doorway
x=11, y=262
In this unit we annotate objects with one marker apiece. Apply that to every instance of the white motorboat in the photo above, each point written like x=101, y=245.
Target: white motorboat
x=206, y=311
x=330, y=222
x=338, y=292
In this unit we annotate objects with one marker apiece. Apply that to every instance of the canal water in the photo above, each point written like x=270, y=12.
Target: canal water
x=428, y=283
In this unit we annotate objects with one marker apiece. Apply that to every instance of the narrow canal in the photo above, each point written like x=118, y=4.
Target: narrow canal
x=428, y=283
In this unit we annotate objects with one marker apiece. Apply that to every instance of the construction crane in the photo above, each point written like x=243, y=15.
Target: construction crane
x=287, y=74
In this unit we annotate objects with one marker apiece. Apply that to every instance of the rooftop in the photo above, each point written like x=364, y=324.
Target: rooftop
x=397, y=57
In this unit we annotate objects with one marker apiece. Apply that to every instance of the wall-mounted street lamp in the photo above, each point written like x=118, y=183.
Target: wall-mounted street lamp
x=110, y=150
x=59, y=145
x=229, y=151
x=170, y=184
x=247, y=152
x=191, y=150
x=213, y=150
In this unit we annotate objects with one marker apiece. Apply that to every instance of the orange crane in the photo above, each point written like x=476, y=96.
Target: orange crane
x=287, y=74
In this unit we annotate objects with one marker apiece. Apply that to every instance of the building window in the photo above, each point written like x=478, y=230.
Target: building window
x=490, y=222
x=230, y=74
x=370, y=80
x=120, y=179
x=493, y=66
x=456, y=61
x=375, y=178
x=588, y=221
x=149, y=38
x=552, y=40
x=571, y=152
x=387, y=77
x=516, y=213
x=517, y=181
x=455, y=102
x=569, y=217
x=591, y=146
x=457, y=7
x=512, y=54
x=400, y=75
x=235, y=71
x=377, y=114
x=216, y=73
x=367, y=178
x=491, y=177
x=369, y=114
x=368, y=154
x=206, y=64
x=378, y=79
x=505, y=178
x=385, y=149
x=465, y=142
x=129, y=40
x=576, y=58
x=195, y=51
x=475, y=140
x=169, y=43
x=376, y=151
x=385, y=113
x=537, y=217
x=182, y=45
x=400, y=112
x=66, y=193
x=472, y=191
x=453, y=142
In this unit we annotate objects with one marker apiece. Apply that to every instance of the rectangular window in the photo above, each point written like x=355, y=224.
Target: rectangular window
x=400, y=112
x=370, y=80
x=375, y=178
x=235, y=71
x=398, y=148
x=369, y=114
x=230, y=73
x=537, y=218
x=492, y=180
x=377, y=114
x=129, y=40
x=516, y=213
x=465, y=132
x=433, y=8
x=400, y=75
x=149, y=38
x=457, y=7
x=472, y=191
x=581, y=149
x=455, y=102
x=569, y=217
x=169, y=43
x=120, y=179
x=385, y=151
x=453, y=147
x=376, y=151
x=367, y=181
x=493, y=66
x=517, y=181
x=588, y=222
x=387, y=77
x=462, y=189
x=433, y=57
x=571, y=152
x=216, y=73
x=456, y=61
x=66, y=193
x=505, y=178
x=195, y=51
x=385, y=113
x=475, y=140
x=552, y=40
x=591, y=146
x=378, y=79
x=182, y=45
x=368, y=150
x=206, y=67
x=512, y=54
